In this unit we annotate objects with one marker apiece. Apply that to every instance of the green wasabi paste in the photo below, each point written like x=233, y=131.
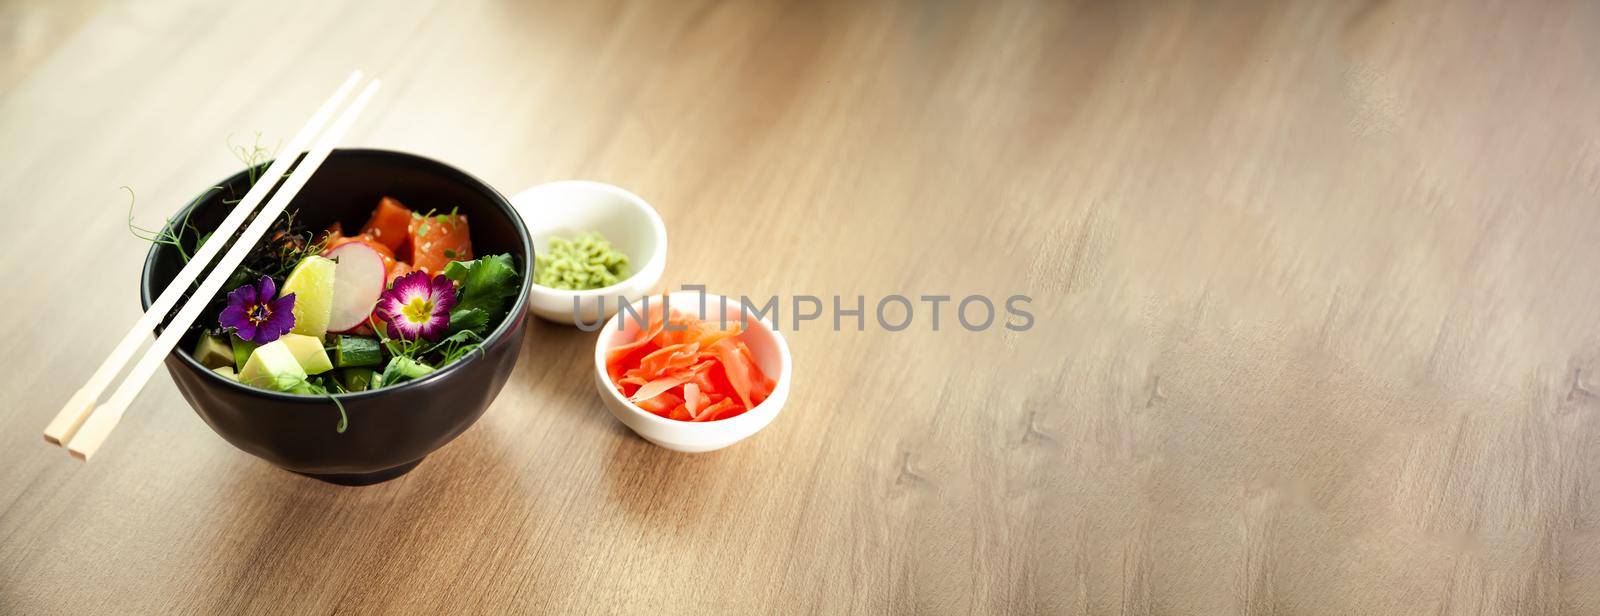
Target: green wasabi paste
x=584, y=262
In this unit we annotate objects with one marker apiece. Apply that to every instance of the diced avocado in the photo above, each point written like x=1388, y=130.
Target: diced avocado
x=241, y=351
x=401, y=369
x=359, y=379
x=213, y=352
x=351, y=351
x=308, y=351
x=226, y=371
x=273, y=366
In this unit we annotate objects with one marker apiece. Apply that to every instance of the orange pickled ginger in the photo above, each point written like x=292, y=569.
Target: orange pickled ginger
x=692, y=371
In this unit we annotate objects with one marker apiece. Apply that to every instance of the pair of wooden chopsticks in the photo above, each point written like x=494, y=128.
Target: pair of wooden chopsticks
x=81, y=425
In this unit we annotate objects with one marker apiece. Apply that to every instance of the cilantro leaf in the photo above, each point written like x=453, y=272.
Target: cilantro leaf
x=469, y=320
x=486, y=285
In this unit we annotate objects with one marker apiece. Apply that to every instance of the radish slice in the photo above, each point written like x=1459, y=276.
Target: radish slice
x=358, y=280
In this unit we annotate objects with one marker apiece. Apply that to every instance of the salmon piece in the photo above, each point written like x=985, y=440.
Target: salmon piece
x=379, y=247
x=333, y=232
x=435, y=241
x=396, y=270
x=390, y=224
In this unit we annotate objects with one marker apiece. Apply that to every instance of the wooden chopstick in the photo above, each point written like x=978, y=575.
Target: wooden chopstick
x=81, y=404
x=102, y=420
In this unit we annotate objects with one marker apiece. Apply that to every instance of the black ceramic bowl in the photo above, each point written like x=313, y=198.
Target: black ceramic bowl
x=390, y=429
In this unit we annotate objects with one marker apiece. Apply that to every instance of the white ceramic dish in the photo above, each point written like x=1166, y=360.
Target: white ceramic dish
x=567, y=208
x=766, y=345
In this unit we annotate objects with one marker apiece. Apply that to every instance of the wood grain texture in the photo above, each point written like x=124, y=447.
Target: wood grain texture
x=1318, y=330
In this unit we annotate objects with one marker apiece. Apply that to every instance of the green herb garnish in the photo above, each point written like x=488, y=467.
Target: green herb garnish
x=486, y=285
x=171, y=233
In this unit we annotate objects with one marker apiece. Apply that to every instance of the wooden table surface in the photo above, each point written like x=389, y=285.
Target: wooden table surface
x=1315, y=286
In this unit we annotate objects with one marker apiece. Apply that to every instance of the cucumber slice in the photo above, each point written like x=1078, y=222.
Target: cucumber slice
x=359, y=379
x=352, y=351
x=401, y=369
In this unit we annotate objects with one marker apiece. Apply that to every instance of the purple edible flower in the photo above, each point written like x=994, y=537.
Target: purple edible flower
x=417, y=306
x=255, y=316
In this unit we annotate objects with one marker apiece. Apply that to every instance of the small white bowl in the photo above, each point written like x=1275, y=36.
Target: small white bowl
x=766, y=345
x=567, y=208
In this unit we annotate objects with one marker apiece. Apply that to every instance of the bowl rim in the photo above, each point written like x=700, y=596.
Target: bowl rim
x=658, y=257
x=785, y=372
x=506, y=323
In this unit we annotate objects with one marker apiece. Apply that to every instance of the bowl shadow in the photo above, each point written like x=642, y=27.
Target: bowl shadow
x=642, y=479
x=288, y=519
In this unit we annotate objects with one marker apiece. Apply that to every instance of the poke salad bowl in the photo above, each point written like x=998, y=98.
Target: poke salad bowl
x=388, y=430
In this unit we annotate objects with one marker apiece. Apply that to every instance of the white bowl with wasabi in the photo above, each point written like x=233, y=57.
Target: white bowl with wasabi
x=594, y=245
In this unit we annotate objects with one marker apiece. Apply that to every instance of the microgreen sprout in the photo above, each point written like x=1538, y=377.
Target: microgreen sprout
x=171, y=233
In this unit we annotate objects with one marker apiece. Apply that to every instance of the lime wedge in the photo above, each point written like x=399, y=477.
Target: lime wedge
x=311, y=282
